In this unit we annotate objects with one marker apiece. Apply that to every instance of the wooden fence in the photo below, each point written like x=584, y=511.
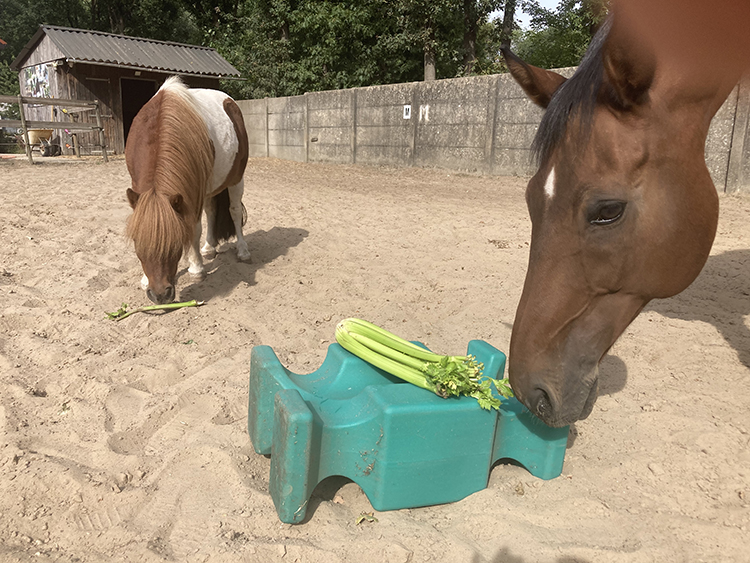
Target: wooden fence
x=26, y=125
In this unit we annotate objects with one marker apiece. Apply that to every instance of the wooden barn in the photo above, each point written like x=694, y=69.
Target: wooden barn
x=121, y=72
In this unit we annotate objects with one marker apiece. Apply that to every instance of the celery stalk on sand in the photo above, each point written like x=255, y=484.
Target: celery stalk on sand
x=445, y=376
x=123, y=312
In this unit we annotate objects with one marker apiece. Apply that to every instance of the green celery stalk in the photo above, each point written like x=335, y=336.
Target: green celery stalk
x=123, y=313
x=445, y=376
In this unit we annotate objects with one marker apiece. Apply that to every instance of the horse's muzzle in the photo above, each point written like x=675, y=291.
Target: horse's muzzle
x=161, y=298
x=546, y=405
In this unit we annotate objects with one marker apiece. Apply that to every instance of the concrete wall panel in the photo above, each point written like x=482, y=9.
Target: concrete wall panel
x=390, y=95
x=465, y=159
x=452, y=135
x=287, y=152
x=384, y=155
x=338, y=154
x=383, y=137
x=254, y=114
x=484, y=124
x=392, y=116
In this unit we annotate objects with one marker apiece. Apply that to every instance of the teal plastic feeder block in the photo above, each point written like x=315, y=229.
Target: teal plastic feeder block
x=404, y=446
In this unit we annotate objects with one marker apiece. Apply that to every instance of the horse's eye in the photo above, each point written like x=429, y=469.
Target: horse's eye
x=607, y=213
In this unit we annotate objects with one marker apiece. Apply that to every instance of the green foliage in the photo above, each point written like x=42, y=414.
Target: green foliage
x=154, y=19
x=454, y=376
x=559, y=38
x=490, y=59
x=8, y=87
x=339, y=45
x=287, y=47
x=165, y=20
x=8, y=83
x=19, y=20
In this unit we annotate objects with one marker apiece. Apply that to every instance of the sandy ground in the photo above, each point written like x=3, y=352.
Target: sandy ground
x=127, y=441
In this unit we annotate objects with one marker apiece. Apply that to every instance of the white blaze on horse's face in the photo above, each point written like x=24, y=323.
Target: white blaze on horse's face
x=549, y=185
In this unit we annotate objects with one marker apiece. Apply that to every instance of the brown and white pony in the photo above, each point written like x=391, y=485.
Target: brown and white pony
x=186, y=152
x=623, y=209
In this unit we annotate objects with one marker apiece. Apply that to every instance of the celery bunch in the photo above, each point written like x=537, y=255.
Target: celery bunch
x=445, y=376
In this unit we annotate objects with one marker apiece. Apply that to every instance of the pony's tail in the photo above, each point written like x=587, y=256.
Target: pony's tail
x=223, y=224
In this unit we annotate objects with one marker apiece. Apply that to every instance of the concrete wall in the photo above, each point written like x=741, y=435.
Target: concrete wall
x=255, y=113
x=382, y=134
x=719, y=141
x=516, y=122
x=330, y=122
x=479, y=124
x=738, y=167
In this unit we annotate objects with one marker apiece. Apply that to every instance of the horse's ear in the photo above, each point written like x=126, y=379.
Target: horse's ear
x=177, y=203
x=132, y=197
x=538, y=83
x=629, y=68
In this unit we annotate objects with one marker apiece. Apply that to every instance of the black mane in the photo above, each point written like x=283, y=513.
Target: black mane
x=576, y=97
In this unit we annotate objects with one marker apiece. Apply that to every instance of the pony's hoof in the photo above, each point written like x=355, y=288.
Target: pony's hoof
x=197, y=274
x=208, y=252
x=244, y=257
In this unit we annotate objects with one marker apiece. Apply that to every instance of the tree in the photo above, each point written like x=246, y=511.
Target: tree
x=508, y=23
x=166, y=20
x=434, y=27
x=341, y=45
x=475, y=15
x=19, y=20
x=154, y=19
x=559, y=38
x=287, y=47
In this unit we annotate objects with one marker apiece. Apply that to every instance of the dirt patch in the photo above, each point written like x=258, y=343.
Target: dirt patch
x=127, y=441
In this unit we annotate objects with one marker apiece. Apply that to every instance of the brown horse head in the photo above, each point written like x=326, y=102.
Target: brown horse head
x=170, y=157
x=162, y=231
x=623, y=210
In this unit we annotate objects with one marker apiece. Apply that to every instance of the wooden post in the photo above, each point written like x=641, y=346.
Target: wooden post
x=353, y=140
x=102, y=140
x=25, y=131
x=306, y=126
x=76, y=148
x=489, y=146
x=414, y=123
x=268, y=152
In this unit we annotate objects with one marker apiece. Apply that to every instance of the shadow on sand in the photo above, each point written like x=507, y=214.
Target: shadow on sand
x=225, y=272
x=505, y=556
x=720, y=296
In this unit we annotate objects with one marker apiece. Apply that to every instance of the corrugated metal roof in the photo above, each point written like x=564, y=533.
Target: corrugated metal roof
x=96, y=47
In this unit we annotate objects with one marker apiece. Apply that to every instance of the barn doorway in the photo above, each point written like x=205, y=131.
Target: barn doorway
x=134, y=94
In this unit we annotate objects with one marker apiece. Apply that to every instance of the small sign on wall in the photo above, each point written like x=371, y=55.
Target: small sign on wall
x=407, y=111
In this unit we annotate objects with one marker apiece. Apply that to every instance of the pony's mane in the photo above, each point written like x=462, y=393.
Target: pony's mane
x=575, y=98
x=183, y=167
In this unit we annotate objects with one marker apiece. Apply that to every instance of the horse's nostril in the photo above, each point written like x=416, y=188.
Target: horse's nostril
x=542, y=404
x=169, y=294
x=151, y=296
